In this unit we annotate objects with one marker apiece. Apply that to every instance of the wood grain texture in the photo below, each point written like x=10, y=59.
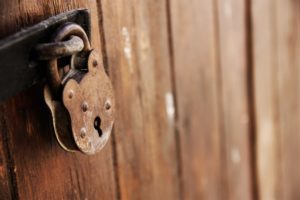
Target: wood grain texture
x=235, y=74
x=5, y=163
x=41, y=169
x=266, y=99
x=138, y=60
x=288, y=62
x=196, y=76
x=189, y=104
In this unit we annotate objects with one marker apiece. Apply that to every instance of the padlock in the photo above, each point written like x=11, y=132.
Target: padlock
x=81, y=101
x=90, y=103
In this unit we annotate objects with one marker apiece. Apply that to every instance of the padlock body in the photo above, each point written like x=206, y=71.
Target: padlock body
x=90, y=103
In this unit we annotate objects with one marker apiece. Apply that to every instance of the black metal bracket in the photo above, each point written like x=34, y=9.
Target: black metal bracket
x=19, y=67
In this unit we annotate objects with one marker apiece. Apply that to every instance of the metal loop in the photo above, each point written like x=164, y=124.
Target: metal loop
x=63, y=32
x=69, y=29
x=52, y=50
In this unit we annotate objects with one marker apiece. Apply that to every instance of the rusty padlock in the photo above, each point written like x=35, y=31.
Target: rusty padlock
x=81, y=100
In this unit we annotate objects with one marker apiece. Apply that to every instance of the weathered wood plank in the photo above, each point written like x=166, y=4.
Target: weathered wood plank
x=42, y=169
x=288, y=62
x=138, y=59
x=266, y=99
x=235, y=75
x=6, y=186
x=196, y=76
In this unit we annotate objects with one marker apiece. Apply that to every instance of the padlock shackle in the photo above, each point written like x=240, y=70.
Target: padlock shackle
x=69, y=29
x=64, y=32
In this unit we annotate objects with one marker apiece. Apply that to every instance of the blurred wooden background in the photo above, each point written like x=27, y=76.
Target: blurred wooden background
x=208, y=100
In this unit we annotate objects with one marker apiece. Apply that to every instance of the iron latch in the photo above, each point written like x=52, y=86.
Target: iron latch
x=20, y=67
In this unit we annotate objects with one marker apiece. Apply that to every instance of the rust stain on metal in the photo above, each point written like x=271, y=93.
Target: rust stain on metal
x=81, y=100
x=64, y=32
x=60, y=120
x=52, y=50
x=91, y=108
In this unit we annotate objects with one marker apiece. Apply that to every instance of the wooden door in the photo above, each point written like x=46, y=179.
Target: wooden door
x=207, y=100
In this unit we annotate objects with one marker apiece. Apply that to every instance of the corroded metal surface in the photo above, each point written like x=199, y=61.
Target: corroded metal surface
x=60, y=121
x=81, y=99
x=67, y=30
x=91, y=106
x=46, y=51
x=19, y=61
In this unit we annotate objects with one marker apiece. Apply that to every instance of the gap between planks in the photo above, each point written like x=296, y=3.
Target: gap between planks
x=174, y=91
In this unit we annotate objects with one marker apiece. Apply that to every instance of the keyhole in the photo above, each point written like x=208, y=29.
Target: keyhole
x=97, y=124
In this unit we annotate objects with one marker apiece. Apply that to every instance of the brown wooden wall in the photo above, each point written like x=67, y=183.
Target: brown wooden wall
x=208, y=104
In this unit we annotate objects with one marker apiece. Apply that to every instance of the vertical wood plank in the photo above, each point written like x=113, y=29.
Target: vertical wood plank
x=6, y=188
x=42, y=170
x=266, y=99
x=288, y=51
x=235, y=97
x=196, y=76
x=138, y=60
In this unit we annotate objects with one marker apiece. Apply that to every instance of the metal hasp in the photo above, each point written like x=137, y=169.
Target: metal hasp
x=78, y=92
x=20, y=67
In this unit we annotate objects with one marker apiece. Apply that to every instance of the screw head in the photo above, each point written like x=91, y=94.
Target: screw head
x=70, y=94
x=83, y=133
x=107, y=105
x=84, y=106
x=95, y=63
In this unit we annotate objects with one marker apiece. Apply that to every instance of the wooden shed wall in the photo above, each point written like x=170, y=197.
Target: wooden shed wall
x=208, y=104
